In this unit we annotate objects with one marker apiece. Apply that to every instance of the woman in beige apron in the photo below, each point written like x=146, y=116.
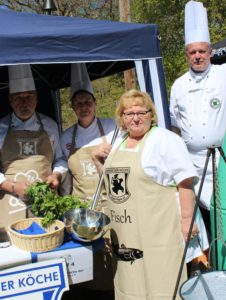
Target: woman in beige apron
x=26, y=156
x=146, y=229
x=85, y=181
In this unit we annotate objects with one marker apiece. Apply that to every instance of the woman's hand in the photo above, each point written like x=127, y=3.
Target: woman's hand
x=99, y=155
x=185, y=226
x=101, y=151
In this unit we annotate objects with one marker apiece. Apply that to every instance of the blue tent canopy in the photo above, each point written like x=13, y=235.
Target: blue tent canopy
x=51, y=43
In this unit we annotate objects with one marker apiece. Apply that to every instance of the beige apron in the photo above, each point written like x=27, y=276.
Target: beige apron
x=84, y=173
x=85, y=181
x=25, y=156
x=145, y=230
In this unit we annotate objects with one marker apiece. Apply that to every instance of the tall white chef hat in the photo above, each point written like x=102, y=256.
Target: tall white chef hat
x=196, y=23
x=20, y=79
x=80, y=78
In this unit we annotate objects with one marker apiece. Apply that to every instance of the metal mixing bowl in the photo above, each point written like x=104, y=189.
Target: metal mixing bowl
x=86, y=224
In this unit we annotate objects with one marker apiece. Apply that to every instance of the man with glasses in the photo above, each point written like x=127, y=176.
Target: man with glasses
x=30, y=147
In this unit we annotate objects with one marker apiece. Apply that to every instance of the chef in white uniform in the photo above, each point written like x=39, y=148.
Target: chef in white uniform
x=87, y=133
x=30, y=147
x=198, y=99
x=78, y=143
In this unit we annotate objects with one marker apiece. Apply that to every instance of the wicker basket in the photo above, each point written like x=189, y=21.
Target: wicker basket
x=53, y=237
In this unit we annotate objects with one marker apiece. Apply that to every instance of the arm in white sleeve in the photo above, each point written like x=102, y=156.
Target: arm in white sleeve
x=174, y=111
x=59, y=164
x=2, y=178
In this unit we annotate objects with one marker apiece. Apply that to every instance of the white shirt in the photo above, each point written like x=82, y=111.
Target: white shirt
x=198, y=109
x=59, y=163
x=165, y=157
x=90, y=136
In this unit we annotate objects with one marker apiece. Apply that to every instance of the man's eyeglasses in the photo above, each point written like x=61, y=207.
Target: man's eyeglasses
x=139, y=114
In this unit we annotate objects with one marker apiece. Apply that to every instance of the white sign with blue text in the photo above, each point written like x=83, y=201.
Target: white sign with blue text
x=45, y=280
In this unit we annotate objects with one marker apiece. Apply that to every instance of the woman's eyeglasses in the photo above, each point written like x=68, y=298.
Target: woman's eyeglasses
x=139, y=114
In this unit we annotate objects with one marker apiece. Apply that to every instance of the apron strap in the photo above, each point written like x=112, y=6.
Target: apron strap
x=40, y=122
x=101, y=130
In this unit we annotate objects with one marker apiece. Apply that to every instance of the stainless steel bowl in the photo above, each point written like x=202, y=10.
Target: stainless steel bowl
x=86, y=224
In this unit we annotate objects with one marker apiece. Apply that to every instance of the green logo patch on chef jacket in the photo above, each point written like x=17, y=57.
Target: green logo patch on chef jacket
x=117, y=184
x=215, y=103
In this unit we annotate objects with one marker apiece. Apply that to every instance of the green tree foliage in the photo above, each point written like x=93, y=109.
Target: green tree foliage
x=107, y=92
x=101, y=9
x=169, y=15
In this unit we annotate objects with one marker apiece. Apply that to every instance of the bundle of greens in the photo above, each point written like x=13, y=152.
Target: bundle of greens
x=46, y=203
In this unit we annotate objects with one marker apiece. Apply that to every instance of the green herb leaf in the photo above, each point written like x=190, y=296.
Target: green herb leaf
x=46, y=203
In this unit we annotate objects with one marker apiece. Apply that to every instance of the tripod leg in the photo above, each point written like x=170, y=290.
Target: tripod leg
x=191, y=225
x=215, y=206
x=222, y=153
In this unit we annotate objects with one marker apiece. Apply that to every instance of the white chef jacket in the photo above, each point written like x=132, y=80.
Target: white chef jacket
x=166, y=160
x=198, y=109
x=33, y=124
x=90, y=136
x=85, y=137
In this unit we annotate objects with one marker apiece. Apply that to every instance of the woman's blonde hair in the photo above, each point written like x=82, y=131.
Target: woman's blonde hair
x=131, y=98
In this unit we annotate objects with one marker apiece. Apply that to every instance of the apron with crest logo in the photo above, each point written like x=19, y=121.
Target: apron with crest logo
x=146, y=234
x=83, y=170
x=25, y=156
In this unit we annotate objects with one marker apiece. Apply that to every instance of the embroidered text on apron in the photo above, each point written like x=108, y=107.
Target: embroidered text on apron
x=26, y=156
x=83, y=170
x=145, y=230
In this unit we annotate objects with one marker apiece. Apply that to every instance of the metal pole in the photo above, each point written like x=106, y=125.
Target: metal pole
x=101, y=180
x=214, y=206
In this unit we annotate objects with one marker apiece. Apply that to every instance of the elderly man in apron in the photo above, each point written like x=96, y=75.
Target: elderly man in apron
x=78, y=142
x=30, y=148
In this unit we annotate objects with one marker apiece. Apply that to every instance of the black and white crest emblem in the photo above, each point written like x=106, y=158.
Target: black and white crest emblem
x=27, y=147
x=117, y=184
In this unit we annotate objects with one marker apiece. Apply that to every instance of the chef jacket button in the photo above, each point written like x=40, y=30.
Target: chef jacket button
x=203, y=137
x=203, y=124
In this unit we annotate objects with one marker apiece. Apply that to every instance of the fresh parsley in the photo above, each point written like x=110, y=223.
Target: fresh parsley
x=46, y=203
